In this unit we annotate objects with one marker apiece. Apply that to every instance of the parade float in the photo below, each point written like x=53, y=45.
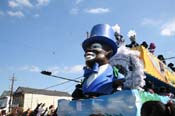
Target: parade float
x=139, y=66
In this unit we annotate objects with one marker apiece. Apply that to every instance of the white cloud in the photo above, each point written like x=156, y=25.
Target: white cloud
x=170, y=53
x=168, y=29
x=36, y=15
x=26, y=3
x=1, y=13
x=98, y=10
x=30, y=68
x=149, y=21
x=74, y=11
x=15, y=14
x=78, y=1
x=66, y=69
x=13, y=4
x=19, y=7
x=20, y=3
x=42, y=2
x=55, y=70
x=74, y=69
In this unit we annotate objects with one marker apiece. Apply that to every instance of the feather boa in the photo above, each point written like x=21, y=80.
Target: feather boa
x=130, y=61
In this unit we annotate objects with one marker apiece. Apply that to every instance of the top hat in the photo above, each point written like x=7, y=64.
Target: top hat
x=101, y=33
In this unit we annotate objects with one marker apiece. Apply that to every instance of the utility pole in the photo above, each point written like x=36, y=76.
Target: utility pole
x=11, y=91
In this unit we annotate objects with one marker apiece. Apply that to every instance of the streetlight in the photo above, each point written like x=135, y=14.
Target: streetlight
x=48, y=73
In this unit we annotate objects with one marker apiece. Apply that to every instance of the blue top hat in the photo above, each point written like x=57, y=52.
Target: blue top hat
x=101, y=33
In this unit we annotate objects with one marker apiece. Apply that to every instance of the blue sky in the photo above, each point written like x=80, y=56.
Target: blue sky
x=40, y=35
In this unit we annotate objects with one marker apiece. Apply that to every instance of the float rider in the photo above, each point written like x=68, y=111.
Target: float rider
x=98, y=73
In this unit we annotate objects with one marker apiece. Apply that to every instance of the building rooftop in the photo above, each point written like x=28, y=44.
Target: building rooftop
x=5, y=93
x=41, y=91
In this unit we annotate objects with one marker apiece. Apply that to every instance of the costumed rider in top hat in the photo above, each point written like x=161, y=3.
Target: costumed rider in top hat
x=99, y=75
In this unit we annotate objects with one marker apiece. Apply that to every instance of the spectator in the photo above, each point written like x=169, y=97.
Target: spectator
x=44, y=112
x=132, y=37
x=170, y=106
x=171, y=66
x=169, y=93
x=149, y=87
x=163, y=91
x=51, y=110
x=118, y=36
x=153, y=108
x=55, y=112
x=78, y=92
x=152, y=48
x=161, y=58
x=26, y=112
x=144, y=44
x=119, y=39
x=3, y=113
x=117, y=85
x=40, y=110
x=35, y=112
x=157, y=108
x=14, y=112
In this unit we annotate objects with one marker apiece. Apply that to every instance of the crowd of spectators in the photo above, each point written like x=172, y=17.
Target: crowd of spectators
x=163, y=90
x=40, y=110
x=157, y=108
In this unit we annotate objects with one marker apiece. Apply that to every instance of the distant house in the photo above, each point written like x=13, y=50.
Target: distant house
x=4, y=101
x=25, y=97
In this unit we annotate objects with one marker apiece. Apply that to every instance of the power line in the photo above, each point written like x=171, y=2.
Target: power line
x=48, y=73
x=62, y=83
x=56, y=85
x=169, y=58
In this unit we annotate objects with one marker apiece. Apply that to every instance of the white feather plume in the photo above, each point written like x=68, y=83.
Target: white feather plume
x=116, y=28
x=131, y=33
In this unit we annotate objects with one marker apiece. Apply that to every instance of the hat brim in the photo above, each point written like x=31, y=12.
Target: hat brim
x=102, y=40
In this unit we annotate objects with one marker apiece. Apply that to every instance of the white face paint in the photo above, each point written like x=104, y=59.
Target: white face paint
x=91, y=55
